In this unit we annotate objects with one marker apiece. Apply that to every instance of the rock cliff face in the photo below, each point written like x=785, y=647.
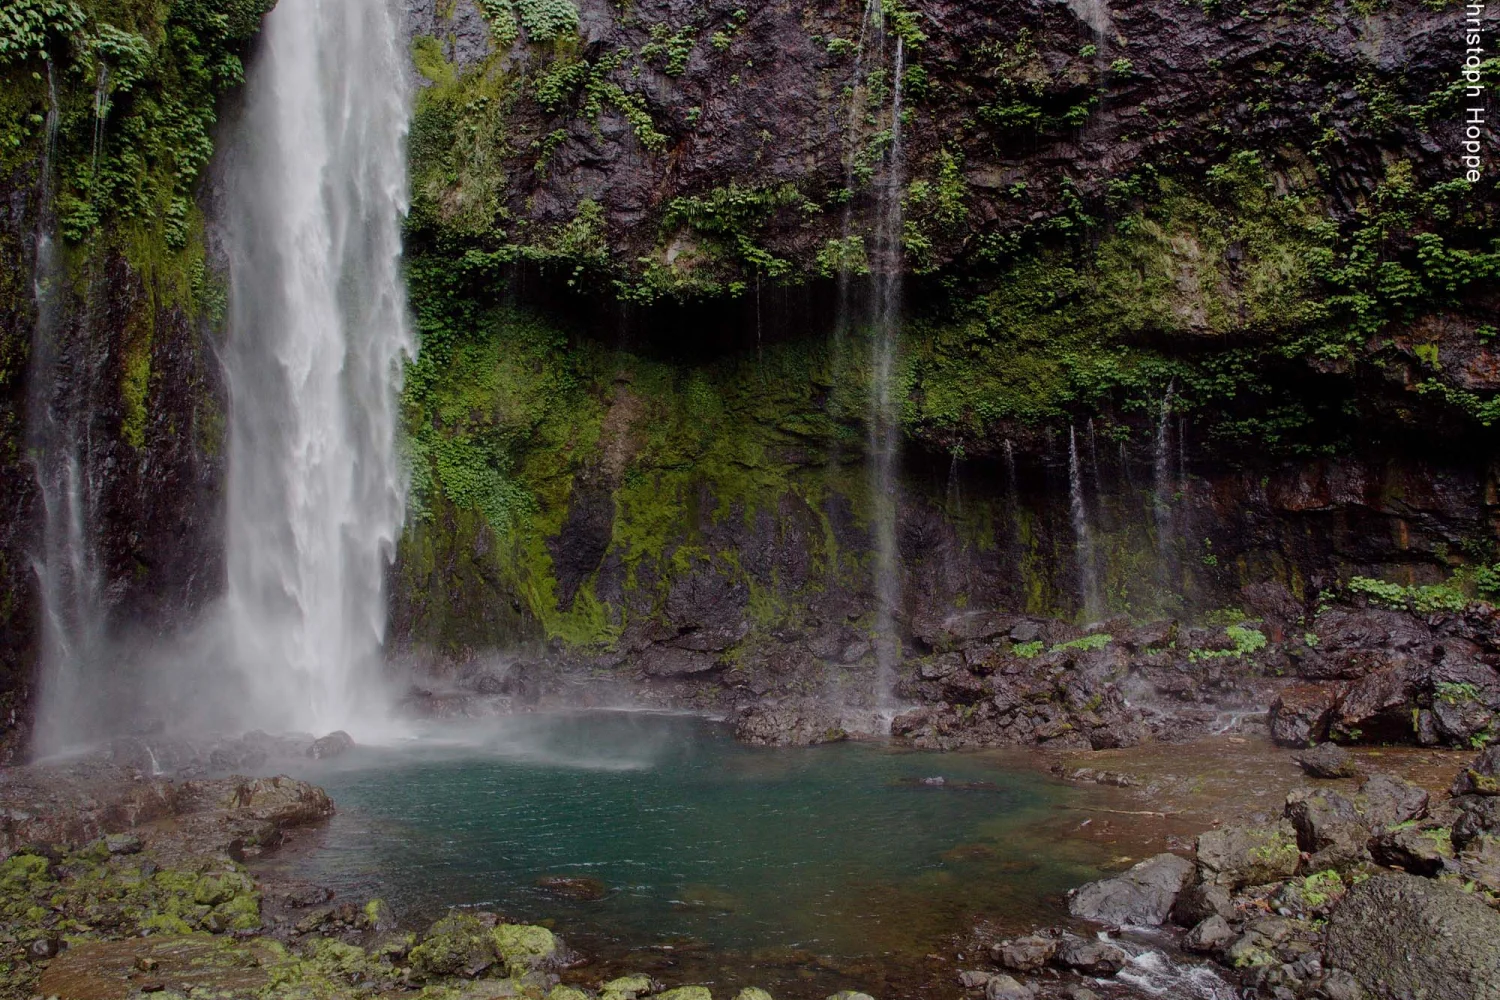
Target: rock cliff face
x=109, y=380
x=1223, y=249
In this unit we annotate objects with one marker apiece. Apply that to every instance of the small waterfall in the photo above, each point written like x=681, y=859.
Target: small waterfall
x=885, y=410
x=318, y=334
x=59, y=441
x=1165, y=489
x=1083, y=536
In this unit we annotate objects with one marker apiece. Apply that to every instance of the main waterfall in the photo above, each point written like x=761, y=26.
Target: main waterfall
x=318, y=332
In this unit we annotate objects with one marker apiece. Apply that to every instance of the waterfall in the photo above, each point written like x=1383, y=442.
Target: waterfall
x=885, y=411
x=60, y=444
x=1164, y=490
x=318, y=333
x=1083, y=537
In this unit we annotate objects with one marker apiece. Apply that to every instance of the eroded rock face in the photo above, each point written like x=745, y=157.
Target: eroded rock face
x=1402, y=936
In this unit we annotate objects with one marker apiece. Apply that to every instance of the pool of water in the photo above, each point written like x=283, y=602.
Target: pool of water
x=823, y=857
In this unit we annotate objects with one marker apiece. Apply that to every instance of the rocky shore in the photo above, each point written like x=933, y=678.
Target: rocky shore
x=1376, y=892
x=1400, y=665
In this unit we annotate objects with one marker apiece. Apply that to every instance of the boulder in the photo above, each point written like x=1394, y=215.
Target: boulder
x=1209, y=935
x=1237, y=856
x=1301, y=713
x=281, y=801
x=1328, y=827
x=1142, y=896
x=1327, y=760
x=1403, y=936
x=1421, y=852
x=973, y=979
x=702, y=993
x=457, y=945
x=335, y=743
x=1482, y=776
x=1090, y=957
x=1478, y=816
x=1025, y=954
x=626, y=987
x=1385, y=800
x=1003, y=987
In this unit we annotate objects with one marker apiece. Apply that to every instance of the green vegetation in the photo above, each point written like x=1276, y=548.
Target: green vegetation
x=1431, y=597
x=1098, y=640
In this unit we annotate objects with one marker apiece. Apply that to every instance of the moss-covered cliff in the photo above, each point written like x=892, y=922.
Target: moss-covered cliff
x=107, y=112
x=636, y=422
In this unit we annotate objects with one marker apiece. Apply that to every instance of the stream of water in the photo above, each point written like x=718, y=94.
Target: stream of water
x=317, y=189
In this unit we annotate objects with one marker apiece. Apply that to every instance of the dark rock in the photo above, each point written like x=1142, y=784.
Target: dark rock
x=331, y=745
x=572, y=886
x=1090, y=957
x=1237, y=856
x=671, y=661
x=1199, y=902
x=1328, y=760
x=1025, y=954
x=1404, y=936
x=1340, y=985
x=1209, y=935
x=1481, y=776
x=1142, y=896
x=1385, y=800
x=1421, y=852
x=1301, y=714
x=1329, y=827
x=43, y=948
x=1478, y=816
x=122, y=843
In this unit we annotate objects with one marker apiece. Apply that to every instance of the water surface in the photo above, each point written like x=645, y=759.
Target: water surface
x=821, y=856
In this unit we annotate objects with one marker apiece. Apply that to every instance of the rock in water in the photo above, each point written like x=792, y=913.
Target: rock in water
x=1328, y=760
x=1402, y=936
x=332, y=745
x=1090, y=957
x=1026, y=954
x=572, y=886
x=1142, y=897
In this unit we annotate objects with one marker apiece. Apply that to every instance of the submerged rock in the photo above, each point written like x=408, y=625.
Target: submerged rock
x=573, y=886
x=1143, y=896
x=1403, y=936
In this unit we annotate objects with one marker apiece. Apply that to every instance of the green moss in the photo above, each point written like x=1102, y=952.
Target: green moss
x=1088, y=642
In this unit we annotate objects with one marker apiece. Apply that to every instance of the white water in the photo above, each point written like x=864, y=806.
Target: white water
x=318, y=329
x=1083, y=536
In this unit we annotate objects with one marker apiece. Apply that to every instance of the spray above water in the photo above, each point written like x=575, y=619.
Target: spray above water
x=1083, y=536
x=318, y=333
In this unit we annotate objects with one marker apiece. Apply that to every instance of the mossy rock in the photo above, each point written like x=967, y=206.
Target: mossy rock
x=523, y=947
x=457, y=944
x=567, y=993
x=686, y=993
x=752, y=993
x=625, y=988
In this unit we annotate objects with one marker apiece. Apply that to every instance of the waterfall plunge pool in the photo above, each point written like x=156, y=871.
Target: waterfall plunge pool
x=803, y=870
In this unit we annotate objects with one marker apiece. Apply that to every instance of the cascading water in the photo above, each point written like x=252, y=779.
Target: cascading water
x=61, y=409
x=1083, y=536
x=884, y=409
x=318, y=333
